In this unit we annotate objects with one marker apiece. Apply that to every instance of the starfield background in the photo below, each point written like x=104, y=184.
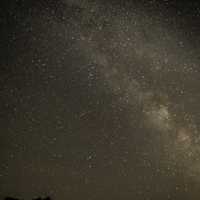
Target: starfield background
x=100, y=99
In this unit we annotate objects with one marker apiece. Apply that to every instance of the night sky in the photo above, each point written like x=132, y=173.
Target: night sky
x=100, y=99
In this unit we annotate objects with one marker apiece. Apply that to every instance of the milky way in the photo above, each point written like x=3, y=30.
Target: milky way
x=100, y=100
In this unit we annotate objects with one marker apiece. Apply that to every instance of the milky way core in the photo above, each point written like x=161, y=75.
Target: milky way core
x=100, y=99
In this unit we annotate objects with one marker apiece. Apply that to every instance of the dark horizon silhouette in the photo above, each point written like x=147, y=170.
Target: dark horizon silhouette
x=37, y=198
x=11, y=198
